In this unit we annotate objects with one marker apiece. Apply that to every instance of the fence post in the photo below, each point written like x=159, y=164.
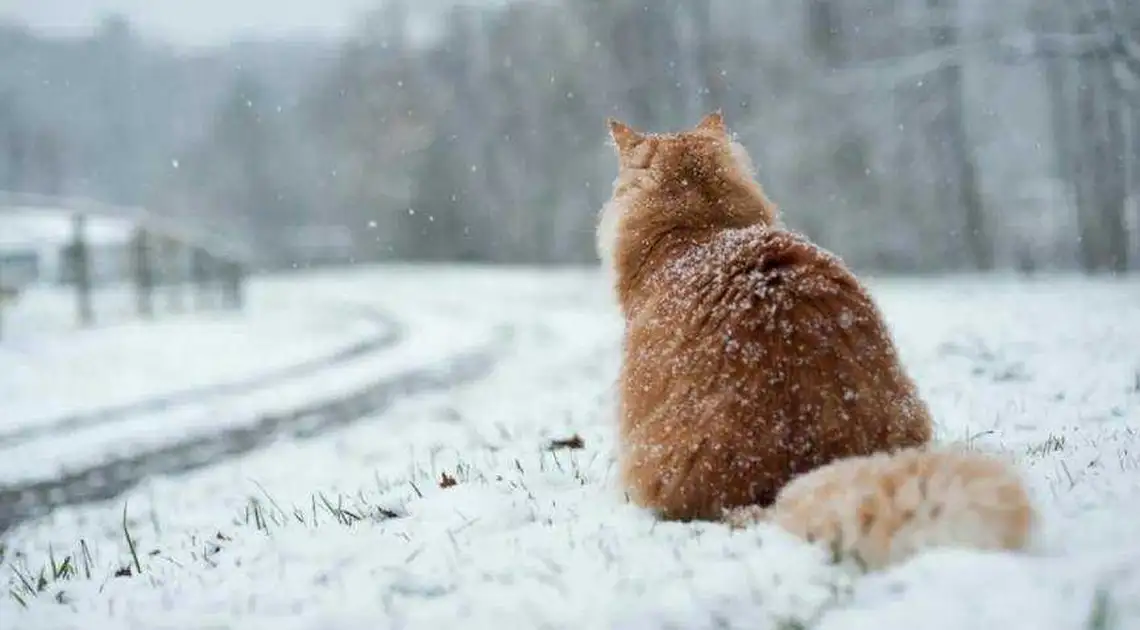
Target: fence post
x=143, y=272
x=200, y=276
x=173, y=276
x=233, y=277
x=79, y=260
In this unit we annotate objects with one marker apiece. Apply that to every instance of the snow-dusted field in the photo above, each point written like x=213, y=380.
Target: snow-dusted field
x=352, y=529
x=51, y=368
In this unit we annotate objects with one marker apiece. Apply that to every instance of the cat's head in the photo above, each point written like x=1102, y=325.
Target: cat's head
x=708, y=146
x=692, y=169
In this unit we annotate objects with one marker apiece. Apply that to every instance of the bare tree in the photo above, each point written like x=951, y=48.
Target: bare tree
x=13, y=145
x=956, y=143
x=1085, y=57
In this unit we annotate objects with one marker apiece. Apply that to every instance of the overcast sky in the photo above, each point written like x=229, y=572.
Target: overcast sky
x=194, y=22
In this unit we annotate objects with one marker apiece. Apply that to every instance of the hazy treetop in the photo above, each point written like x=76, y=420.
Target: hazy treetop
x=198, y=23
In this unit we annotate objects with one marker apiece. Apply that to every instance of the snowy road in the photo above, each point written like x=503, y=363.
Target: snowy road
x=352, y=527
x=386, y=334
x=84, y=457
x=113, y=476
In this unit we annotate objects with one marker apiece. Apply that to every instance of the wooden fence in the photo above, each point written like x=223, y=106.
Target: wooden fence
x=168, y=269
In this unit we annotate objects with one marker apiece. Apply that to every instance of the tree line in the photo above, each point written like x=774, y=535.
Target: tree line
x=906, y=135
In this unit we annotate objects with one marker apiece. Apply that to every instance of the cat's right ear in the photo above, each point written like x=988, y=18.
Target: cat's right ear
x=624, y=137
x=714, y=122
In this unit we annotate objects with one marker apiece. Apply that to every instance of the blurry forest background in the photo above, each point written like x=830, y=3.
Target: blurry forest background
x=906, y=135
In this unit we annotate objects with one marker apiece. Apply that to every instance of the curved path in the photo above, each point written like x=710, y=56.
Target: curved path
x=436, y=338
x=112, y=478
x=389, y=332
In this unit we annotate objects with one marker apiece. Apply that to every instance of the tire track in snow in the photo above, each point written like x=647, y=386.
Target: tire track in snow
x=109, y=480
x=390, y=333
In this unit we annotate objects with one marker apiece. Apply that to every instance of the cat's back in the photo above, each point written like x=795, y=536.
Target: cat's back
x=743, y=256
x=760, y=285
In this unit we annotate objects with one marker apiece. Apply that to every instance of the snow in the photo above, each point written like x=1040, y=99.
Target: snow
x=50, y=369
x=285, y=325
x=1048, y=370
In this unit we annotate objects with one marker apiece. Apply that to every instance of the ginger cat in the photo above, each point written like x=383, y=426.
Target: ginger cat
x=882, y=509
x=750, y=354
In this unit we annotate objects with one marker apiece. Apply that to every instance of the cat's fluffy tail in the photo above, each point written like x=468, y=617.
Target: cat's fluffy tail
x=882, y=509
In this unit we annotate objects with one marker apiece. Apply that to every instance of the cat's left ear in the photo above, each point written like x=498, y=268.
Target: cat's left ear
x=714, y=122
x=624, y=137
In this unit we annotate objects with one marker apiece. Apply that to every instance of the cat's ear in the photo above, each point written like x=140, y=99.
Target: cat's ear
x=624, y=137
x=714, y=122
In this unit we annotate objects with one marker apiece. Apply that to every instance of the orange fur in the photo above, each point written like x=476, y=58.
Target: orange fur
x=750, y=355
x=882, y=509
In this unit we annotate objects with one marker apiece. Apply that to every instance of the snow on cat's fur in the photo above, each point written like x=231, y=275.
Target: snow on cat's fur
x=751, y=355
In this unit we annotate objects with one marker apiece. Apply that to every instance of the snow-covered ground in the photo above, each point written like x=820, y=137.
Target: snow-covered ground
x=51, y=369
x=353, y=529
